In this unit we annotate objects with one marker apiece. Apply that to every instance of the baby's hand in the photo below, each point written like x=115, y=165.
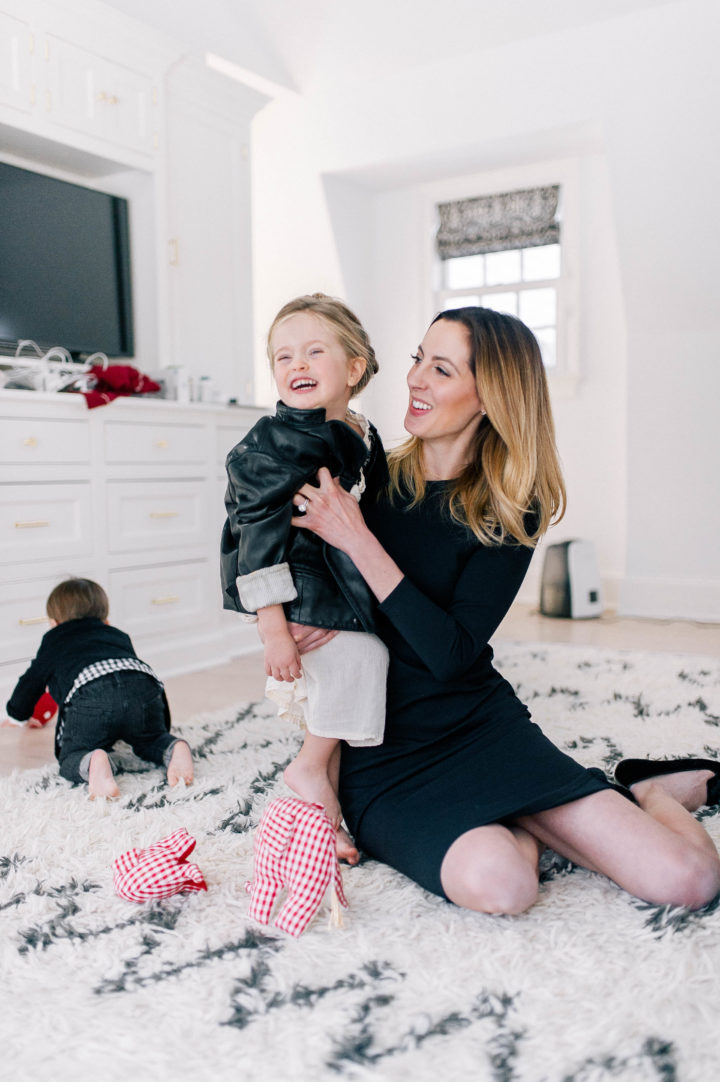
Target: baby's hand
x=282, y=658
x=10, y=723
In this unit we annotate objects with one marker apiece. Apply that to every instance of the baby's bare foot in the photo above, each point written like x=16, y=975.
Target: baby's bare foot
x=101, y=780
x=345, y=848
x=312, y=784
x=180, y=765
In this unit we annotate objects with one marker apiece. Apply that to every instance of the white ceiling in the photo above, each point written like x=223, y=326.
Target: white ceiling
x=312, y=44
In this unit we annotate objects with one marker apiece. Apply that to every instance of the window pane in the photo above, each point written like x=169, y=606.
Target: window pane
x=547, y=340
x=460, y=302
x=542, y=262
x=537, y=307
x=501, y=302
x=465, y=272
x=502, y=267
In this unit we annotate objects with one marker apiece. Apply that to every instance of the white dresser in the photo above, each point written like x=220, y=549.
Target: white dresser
x=131, y=495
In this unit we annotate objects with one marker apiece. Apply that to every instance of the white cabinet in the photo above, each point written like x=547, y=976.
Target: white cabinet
x=84, y=76
x=94, y=97
x=208, y=214
x=16, y=63
x=130, y=495
x=90, y=94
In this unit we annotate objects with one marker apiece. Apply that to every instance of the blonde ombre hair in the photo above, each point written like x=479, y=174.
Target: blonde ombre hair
x=342, y=321
x=514, y=468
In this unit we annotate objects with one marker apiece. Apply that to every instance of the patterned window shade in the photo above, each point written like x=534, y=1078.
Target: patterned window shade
x=496, y=223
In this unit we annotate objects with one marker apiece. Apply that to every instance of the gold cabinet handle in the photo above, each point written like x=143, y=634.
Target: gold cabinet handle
x=30, y=441
x=162, y=444
x=164, y=514
x=29, y=525
x=168, y=600
x=26, y=621
x=173, y=252
x=106, y=99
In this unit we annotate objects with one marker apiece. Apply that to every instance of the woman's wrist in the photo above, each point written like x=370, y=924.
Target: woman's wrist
x=379, y=570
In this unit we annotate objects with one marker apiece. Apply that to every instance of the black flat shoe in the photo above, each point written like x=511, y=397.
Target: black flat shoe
x=628, y=771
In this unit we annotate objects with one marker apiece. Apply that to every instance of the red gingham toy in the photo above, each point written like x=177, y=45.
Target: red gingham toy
x=294, y=847
x=158, y=871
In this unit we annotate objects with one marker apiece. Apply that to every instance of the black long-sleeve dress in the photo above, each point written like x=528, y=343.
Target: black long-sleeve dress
x=460, y=750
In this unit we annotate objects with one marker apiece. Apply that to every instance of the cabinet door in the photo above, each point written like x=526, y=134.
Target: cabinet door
x=16, y=83
x=209, y=249
x=92, y=95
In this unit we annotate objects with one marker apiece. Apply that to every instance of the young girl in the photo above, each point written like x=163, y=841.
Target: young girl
x=320, y=357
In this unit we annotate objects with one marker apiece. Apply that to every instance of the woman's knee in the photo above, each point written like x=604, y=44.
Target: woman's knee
x=498, y=882
x=692, y=879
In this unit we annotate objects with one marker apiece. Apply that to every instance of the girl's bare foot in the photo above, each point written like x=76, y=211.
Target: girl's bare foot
x=311, y=783
x=101, y=780
x=345, y=847
x=180, y=765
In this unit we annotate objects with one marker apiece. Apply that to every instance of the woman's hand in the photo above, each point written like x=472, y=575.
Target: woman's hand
x=334, y=515
x=310, y=638
x=329, y=511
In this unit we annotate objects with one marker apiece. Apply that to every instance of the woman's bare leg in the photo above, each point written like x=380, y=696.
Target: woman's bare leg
x=492, y=869
x=655, y=850
x=688, y=787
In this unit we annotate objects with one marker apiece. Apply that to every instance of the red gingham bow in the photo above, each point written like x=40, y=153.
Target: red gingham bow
x=158, y=871
x=295, y=846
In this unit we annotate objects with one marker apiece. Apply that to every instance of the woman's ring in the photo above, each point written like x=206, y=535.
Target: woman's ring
x=302, y=507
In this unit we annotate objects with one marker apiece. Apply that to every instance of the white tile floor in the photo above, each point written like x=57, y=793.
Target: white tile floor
x=242, y=679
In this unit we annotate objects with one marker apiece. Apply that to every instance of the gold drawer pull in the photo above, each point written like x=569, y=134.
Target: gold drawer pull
x=164, y=514
x=30, y=441
x=26, y=621
x=162, y=444
x=165, y=600
x=29, y=525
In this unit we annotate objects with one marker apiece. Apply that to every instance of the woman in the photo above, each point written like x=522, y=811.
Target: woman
x=465, y=791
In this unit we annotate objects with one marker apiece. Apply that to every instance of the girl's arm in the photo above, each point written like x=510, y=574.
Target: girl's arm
x=282, y=658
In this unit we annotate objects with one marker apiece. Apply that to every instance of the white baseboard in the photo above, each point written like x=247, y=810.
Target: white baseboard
x=667, y=599
x=197, y=651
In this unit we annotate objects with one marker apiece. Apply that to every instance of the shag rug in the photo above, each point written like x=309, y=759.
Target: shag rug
x=590, y=985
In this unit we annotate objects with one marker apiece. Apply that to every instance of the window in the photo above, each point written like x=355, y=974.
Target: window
x=503, y=252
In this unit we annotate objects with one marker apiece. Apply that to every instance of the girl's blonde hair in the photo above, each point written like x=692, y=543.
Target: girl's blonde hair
x=514, y=467
x=342, y=321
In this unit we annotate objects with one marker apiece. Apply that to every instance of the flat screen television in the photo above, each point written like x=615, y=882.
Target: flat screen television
x=64, y=266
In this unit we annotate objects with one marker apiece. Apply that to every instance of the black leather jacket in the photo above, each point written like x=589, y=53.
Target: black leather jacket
x=277, y=456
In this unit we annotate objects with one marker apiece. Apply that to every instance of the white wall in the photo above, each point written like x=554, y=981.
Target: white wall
x=340, y=188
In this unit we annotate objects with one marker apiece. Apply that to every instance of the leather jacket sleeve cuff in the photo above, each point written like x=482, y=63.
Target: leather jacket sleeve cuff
x=266, y=586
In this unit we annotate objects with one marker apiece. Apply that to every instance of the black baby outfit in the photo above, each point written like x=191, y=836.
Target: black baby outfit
x=104, y=692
